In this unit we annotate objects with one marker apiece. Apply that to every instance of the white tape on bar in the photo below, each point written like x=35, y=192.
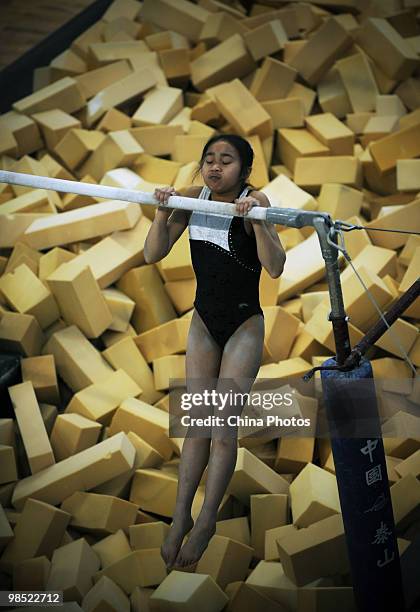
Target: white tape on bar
x=127, y=195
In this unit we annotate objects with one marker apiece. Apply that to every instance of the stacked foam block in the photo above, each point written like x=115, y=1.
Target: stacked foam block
x=328, y=95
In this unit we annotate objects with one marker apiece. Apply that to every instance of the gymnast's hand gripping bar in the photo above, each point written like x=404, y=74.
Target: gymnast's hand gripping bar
x=283, y=216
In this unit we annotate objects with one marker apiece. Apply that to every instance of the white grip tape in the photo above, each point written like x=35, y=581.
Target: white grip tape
x=127, y=195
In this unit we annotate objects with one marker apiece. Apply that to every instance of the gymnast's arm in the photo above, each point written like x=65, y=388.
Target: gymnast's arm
x=168, y=224
x=270, y=250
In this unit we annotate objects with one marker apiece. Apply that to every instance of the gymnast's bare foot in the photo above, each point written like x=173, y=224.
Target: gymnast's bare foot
x=197, y=542
x=169, y=549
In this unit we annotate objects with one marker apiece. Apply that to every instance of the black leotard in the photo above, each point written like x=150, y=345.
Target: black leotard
x=227, y=269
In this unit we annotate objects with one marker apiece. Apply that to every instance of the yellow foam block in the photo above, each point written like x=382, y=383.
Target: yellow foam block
x=63, y=94
x=159, y=106
x=127, y=89
x=332, y=95
x=154, y=491
x=87, y=469
x=101, y=53
x=148, y=535
x=405, y=497
x=288, y=113
x=153, y=306
x=293, y=454
x=41, y=372
x=27, y=165
x=271, y=552
x=112, y=548
x=114, y=513
x=411, y=465
x=155, y=169
x=280, y=331
x=24, y=130
x=99, y=401
x=228, y=60
x=38, y=200
x=225, y=560
x=388, y=48
x=401, y=435
x=117, y=149
x=26, y=544
x=252, y=476
x=340, y=201
x=157, y=140
x=37, y=568
x=235, y=528
x=218, y=27
x=93, y=81
x=293, y=144
x=195, y=591
x=146, y=455
x=165, y=339
x=361, y=313
x=282, y=191
x=312, y=172
x=9, y=145
x=67, y=562
x=266, y=39
x=402, y=217
x=121, y=308
x=114, y=120
x=54, y=125
x=176, y=66
x=267, y=512
x=320, y=328
x=332, y=132
x=82, y=223
x=73, y=433
x=106, y=593
x=166, y=369
x=187, y=148
x=408, y=175
x=125, y=355
x=92, y=316
x=402, y=144
x=322, y=546
x=189, y=18
x=166, y=40
x=304, y=266
x=379, y=260
x=26, y=294
x=78, y=362
x=327, y=44
x=242, y=110
x=21, y=333
x=76, y=145
x=31, y=427
x=359, y=82
x=149, y=422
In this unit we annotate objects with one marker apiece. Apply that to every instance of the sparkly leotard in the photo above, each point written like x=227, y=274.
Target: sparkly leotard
x=227, y=269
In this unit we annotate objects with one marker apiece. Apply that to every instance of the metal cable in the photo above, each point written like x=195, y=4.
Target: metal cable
x=372, y=299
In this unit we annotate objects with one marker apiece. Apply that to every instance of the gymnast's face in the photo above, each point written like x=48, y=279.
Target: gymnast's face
x=221, y=167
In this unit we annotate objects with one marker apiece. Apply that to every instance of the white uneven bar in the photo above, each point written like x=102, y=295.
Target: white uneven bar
x=127, y=195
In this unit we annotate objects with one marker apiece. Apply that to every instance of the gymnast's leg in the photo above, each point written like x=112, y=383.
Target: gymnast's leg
x=203, y=357
x=240, y=362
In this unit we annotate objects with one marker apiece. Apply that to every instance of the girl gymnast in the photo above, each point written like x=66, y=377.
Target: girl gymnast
x=226, y=335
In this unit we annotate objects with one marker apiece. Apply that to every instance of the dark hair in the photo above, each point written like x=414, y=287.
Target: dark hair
x=242, y=146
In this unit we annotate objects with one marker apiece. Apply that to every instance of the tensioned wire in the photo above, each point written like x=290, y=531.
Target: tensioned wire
x=342, y=249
